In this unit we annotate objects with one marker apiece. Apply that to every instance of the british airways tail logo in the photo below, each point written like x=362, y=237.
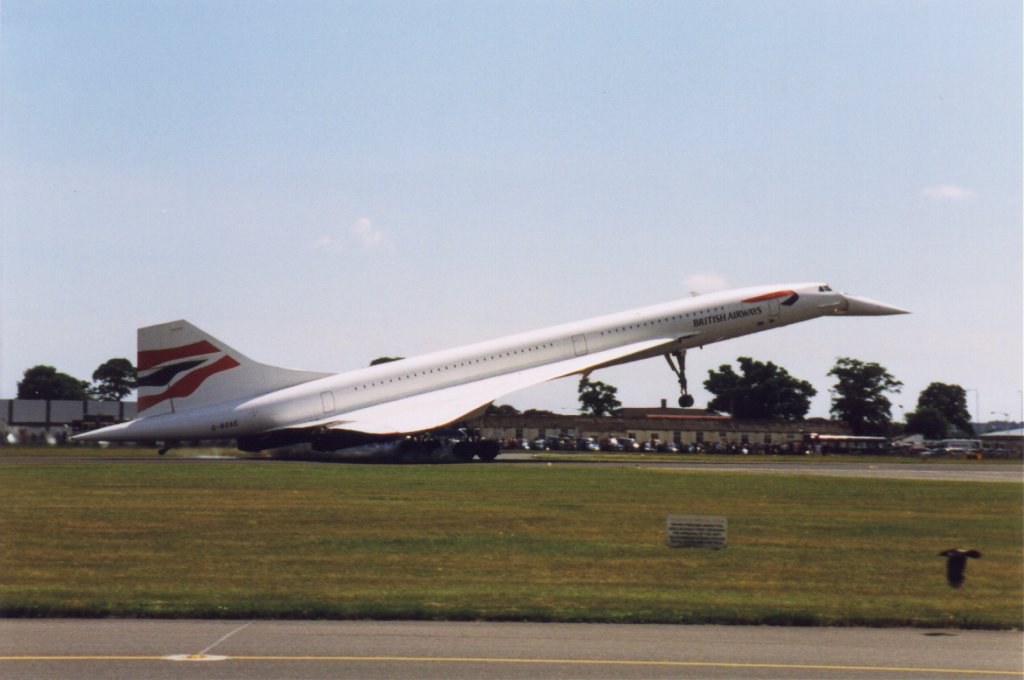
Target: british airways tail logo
x=177, y=372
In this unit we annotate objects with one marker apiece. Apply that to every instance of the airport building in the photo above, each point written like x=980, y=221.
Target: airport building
x=37, y=421
x=40, y=421
x=688, y=429
x=1011, y=442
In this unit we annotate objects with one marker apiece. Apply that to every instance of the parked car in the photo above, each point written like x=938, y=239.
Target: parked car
x=628, y=444
x=553, y=443
x=952, y=452
x=566, y=443
x=610, y=444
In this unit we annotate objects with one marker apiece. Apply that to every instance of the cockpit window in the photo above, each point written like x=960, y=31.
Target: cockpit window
x=825, y=289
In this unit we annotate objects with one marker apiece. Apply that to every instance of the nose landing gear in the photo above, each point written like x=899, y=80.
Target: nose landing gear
x=679, y=368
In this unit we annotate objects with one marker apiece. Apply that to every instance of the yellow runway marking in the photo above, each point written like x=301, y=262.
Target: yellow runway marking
x=582, y=662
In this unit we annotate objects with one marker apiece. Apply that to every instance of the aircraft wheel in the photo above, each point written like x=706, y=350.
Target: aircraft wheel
x=464, y=451
x=488, y=450
x=686, y=401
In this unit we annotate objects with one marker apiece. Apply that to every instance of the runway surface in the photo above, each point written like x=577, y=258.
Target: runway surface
x=909, y=469
x=368, y=649
x=923, y=470
x=944, y=472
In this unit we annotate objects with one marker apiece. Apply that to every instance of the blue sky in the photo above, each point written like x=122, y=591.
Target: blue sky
x=321, y=183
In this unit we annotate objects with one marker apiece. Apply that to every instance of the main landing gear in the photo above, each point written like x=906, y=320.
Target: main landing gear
x=679, y=368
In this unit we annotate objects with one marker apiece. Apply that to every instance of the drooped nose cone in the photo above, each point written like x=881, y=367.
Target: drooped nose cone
x=858, y=306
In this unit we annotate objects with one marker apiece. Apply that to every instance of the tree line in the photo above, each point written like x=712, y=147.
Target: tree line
x=765, y=391
x=112, y=381
x=760, y=391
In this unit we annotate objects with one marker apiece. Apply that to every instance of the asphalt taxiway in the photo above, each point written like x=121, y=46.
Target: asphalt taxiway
x=910, y=469
x=921, y=470
x=950, y=472
x=31, y=648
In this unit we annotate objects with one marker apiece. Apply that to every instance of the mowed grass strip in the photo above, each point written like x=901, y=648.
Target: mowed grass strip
x=499, y=542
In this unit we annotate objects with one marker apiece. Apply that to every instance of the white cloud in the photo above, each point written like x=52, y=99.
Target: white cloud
x=367, y=235
x=362, y=232
x=705, y=283
x=947, y=192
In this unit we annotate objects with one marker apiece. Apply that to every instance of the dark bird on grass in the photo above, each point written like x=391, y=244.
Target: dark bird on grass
x=956, y=563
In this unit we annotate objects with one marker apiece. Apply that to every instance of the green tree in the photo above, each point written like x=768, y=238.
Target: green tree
x=597, y=398
x=950, y=401
x=501, y=410
x=44, y=382
x=929, y=422
x=858, y=397
x=538, y=412
x=764, y=391
x=114, y=379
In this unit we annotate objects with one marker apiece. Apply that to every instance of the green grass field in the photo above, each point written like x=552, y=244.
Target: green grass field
x=532, y=542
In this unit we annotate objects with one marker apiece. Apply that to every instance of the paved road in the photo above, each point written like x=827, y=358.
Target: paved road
x=367, y=649
x=941, y=472
x=954, y=472
x=958, y=472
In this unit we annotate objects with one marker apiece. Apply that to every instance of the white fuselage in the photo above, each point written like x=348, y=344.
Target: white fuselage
x=681, y=324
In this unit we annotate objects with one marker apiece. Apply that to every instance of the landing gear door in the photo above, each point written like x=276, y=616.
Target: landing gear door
x=773, y=310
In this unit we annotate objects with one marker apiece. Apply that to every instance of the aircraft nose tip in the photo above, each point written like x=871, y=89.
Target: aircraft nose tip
x=858, y=306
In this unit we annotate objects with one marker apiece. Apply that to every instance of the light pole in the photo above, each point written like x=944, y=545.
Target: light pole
x=1001, y=413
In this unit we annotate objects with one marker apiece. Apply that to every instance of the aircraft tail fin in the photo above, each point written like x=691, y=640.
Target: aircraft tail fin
x=182, y=367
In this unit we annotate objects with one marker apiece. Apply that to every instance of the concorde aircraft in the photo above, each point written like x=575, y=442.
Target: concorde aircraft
x=192, y=386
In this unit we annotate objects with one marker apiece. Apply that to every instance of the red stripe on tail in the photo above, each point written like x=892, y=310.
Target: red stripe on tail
x=154, y=357
x=189, y=383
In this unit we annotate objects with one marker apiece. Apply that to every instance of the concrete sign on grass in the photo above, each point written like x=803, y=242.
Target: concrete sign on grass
x=696, y=531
